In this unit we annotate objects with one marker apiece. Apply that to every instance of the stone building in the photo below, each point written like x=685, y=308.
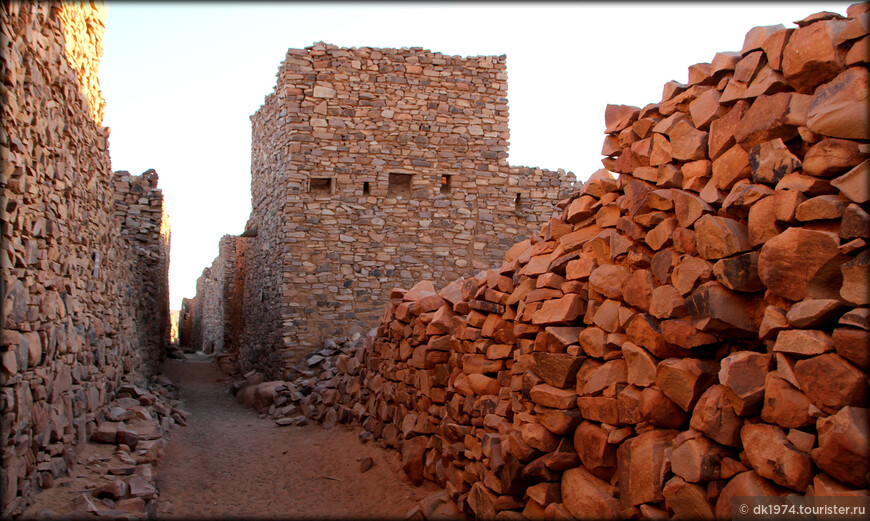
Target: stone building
x=85, y=252
x=370, y=168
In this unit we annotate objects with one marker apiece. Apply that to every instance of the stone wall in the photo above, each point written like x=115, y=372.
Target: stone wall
x=144, y=224
x=83, y=305
x=692, y=330
x=372, y=167
x=214, y=322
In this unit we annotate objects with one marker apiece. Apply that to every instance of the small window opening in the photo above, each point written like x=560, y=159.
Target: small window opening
x=445, y=184
x=365, y=187
x=518, y=204
x=400, y=184
x=320, y=185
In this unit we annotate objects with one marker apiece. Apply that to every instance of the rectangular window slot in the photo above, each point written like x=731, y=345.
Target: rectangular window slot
x=365, y=187
x=320, y=185
x=445, y=184
x=400, y=184
x=518, y=204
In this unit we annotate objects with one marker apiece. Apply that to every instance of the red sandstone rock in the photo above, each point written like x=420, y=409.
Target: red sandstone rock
x=854, y=183
x=714, y=416
x=695, y=458
x=831, y=382
x=811, y=57
x=560, y=311
x=739, y=273
x=608, y=280
x=687, y=500
x=687, y=142
x=666, y=302
x=107, y=432
x=743, y=374
x=824, y=485
x=581, y=208
x=730, y=167
x=855, y=280
x=855, y=223
x=852, y=344
x=801, y=263
x=719, y=237
x=762, y=222
x=660, y=410
x=705, y=108
x=588, y=497
x=640, y=365
x=774, y=457
x=844, y=445
x=639, y=464
x=831, y=156
x=558, y=369
x=684, y=380
x=481, y=501
x=599, y=408
x=645, y=331
x=755, y=38
x=549, y=396
x=772, y=160
x=538, y=437
x=637, y=289
x=722, y=130
x=744, y=484
x=822, y=207
x=618, y=117
x=611, y=372
x=837, y=108
x=597, y=455
x=715, y=308
x=814, y=312
x=689, y=272
x=785, y=406
x=771, y=117
x=683, y=334
x=803, y=342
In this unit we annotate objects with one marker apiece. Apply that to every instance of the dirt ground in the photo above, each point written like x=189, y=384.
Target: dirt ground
x=229, y=463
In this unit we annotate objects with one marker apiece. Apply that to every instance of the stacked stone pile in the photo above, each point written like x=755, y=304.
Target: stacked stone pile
x=136, y=422
x=691, y=330
x=325, y=389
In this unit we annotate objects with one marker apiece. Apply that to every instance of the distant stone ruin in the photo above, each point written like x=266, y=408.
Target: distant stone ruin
x=85, y=252
x=370, y=168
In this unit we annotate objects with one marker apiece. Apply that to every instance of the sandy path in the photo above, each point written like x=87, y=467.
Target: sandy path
x=227, y=462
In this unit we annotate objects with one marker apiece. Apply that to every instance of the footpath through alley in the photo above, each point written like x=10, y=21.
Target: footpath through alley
x=228, y=463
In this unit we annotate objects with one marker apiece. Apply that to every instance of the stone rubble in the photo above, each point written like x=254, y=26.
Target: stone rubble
x=122, y=484
x=690, y=330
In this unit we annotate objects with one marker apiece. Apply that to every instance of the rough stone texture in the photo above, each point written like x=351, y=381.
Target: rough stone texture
x=674, y=357
x=370, y=168
x=84, y=253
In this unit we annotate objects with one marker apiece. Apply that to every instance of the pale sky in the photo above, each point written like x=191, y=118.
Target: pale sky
x=181, y=81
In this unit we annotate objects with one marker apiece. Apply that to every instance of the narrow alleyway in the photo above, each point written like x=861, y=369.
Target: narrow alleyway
x=228, y=463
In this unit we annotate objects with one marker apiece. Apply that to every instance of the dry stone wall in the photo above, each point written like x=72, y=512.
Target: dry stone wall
x=691, y=330
x=215, y=324
x=372, y=167
x=84, y=252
